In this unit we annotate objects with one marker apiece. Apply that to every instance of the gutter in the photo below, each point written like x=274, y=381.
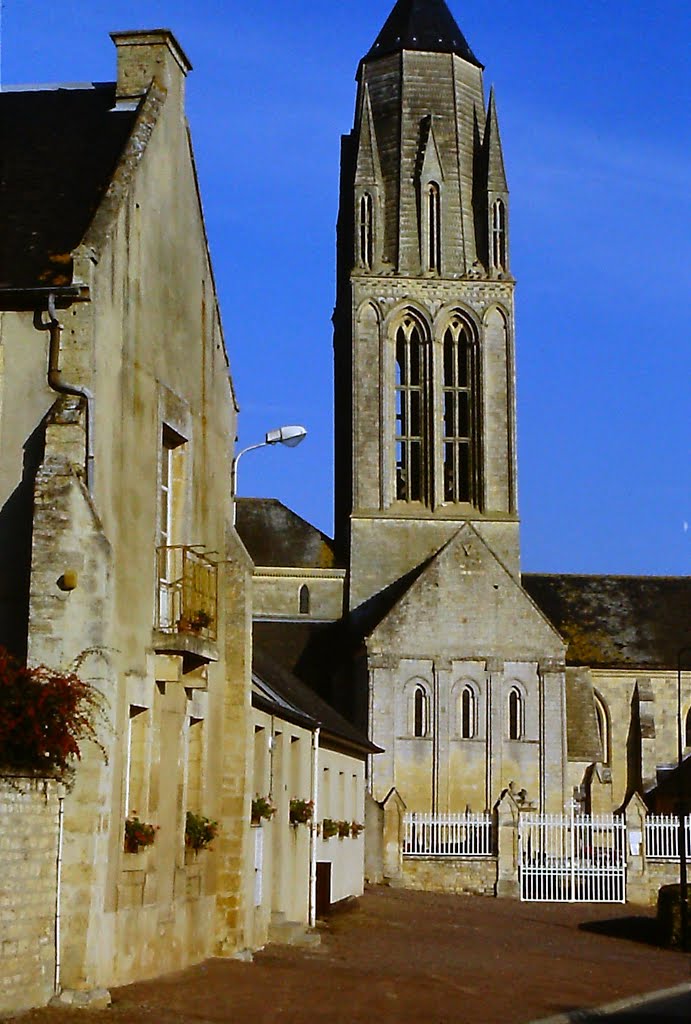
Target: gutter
x=313, y=829
x=56, y=382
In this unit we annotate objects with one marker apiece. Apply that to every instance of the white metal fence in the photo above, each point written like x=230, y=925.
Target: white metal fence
x=447, y=835
x=569, y=858
x=662, y=837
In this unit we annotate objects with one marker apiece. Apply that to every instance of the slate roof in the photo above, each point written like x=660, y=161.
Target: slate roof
x=58, y=150
x=421, y=25
x=274, y=535
x=617, y=621
x=307, y=703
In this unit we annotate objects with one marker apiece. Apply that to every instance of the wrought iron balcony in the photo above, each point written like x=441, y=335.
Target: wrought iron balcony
x=187, y=605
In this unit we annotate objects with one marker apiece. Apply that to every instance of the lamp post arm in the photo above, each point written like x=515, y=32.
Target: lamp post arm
x=234, y=471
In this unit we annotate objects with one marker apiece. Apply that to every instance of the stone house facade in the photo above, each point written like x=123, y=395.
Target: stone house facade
x=119, y=558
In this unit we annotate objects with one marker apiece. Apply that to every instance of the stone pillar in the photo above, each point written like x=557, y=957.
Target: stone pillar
x=394, y=809
x=637, y=883
x=506, y=821
x=494, y=720
x=382, y=718
x=442, y=725
x=553, y=752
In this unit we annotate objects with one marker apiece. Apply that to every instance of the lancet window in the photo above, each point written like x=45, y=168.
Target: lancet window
x=468, y=713
x=516, y=712
x=499, y=235
x=366, y=231
x=433, y=200
x=459, y=398
x=411, y=412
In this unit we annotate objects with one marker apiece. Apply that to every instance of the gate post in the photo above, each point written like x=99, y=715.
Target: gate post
x=394, y=809
x=637, y=884
x=507, y=817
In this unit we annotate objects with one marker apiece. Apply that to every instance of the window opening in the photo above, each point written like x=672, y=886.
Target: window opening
x=169, y=514
x=515, y=715
x=411, y=440
x=468, y=713
x=366, y=231
x=420, y=724
x=499, y=235
x=433, y=226
x=459, y=414
x=602, y=728
x=304, y=599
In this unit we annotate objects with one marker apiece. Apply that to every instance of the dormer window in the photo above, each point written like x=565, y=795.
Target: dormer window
x=499, y=235
x=366, y=231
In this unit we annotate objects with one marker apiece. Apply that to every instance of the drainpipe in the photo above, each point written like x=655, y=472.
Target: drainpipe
x=58, y=889
x=313, y=827
x=56, y=382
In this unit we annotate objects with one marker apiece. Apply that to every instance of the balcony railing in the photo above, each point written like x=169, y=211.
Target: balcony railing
x=187, y=592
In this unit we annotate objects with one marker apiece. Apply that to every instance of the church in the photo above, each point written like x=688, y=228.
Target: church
x=416, y=620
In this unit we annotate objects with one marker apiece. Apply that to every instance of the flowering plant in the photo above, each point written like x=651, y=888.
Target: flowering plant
x=138, y=834
x=301, y=811
x=329, y=828
x=356, y=828
x=343, y=829
x=200, y=831
x=44, y=716
x=262, y=808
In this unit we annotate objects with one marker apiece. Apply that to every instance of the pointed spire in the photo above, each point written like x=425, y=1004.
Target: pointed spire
x=496, y=175
x=421, y=25
x=368, y=168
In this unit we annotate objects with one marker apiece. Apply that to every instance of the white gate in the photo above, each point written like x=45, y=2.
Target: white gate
x=570, y=858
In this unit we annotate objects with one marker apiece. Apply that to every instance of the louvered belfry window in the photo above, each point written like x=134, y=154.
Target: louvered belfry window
x=411, y=412
x=459, y=412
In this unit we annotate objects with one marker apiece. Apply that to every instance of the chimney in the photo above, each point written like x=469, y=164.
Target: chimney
x=146, y=54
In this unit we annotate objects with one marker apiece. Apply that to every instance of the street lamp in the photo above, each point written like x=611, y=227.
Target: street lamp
x=289, y=436
x=683, y=881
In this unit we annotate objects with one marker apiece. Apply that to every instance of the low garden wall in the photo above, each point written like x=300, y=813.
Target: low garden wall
x=28, y=873
x=477, y=875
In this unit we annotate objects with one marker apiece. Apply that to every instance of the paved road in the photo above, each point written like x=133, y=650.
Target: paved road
x=403, y=957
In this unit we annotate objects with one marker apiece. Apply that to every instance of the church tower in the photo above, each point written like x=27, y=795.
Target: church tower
x=424, y=320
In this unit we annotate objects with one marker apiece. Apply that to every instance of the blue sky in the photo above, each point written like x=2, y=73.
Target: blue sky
x=593, y=101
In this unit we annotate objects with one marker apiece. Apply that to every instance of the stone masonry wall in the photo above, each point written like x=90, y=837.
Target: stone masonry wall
x=477, y=875
x=28, y=853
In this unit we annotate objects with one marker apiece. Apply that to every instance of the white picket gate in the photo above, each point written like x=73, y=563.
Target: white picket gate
x=570, y=858
x=447, y=835
x=662, y=837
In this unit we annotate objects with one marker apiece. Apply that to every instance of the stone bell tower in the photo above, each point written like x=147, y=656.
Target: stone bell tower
x=424, y=318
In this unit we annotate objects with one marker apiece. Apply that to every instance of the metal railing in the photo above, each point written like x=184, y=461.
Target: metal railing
x=447, y=835
x=187, y=592
x=662, y=836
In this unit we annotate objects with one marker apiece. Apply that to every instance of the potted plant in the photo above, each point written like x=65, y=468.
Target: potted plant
x=329, y=828
x=138, y=834
x=195, y=621
x=343, y=829
x=199, y=831
x=262, y=808
x=301, y=811
x=356, y=829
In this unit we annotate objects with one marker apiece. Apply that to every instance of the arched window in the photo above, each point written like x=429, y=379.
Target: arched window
x=420, y=711
x=499, y=235
x=515, y=714
x=688, y=729
x=366, y=231
x=468, y=713
x=459, y=396
x=433, y=202
x=603, y=728
x=411, y=413
x=304, y=599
